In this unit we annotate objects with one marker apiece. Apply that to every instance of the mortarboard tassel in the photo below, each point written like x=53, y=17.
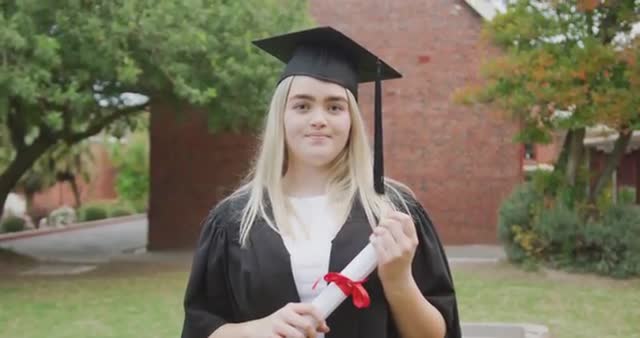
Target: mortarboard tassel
x=378, y=166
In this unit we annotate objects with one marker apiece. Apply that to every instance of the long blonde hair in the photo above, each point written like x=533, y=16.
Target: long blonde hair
x=351, y=174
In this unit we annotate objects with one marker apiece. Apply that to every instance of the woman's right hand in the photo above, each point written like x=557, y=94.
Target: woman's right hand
x=294, y=320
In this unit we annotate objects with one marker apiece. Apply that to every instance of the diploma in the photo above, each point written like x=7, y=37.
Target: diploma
x=358, y=269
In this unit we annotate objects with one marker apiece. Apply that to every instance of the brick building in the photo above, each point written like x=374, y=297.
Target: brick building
x=101, y=186
x=460, y=160
x=599, y=143
x=627, y=174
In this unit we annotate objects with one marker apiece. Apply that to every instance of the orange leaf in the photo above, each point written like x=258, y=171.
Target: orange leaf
x=588, y=5
x=581, y=74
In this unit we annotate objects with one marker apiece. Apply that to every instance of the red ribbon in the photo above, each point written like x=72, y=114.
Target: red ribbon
x=350, y=288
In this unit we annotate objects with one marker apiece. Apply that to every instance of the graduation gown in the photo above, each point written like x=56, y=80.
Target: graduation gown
x=231, y=284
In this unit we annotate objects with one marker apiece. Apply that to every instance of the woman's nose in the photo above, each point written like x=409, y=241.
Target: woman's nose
x=318, y=118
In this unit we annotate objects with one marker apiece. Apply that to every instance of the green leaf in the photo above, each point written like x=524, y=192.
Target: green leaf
x=77, y=57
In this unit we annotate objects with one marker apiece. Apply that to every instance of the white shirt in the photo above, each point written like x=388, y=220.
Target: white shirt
x=310, y=257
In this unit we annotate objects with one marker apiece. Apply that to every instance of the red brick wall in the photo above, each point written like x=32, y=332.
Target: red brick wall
x=628, y=173
x=190, y=171
x=547, y=153
x=100, y=187
x=459, y=160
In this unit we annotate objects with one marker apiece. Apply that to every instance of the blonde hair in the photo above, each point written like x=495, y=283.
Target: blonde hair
x=351, y=174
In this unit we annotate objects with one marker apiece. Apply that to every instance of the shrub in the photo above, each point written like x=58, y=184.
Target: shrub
x=514, y=221
x=93, y=212
x=558, y=229
x=132, y=163
x=13, y=224
x=535, y=229
x=627, y=195
x=120, y=210
x=612, y=245
x=62, y=216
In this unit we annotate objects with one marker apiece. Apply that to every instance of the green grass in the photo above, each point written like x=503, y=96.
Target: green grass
x=137, y=303
x=141, y=307
x=570, y=305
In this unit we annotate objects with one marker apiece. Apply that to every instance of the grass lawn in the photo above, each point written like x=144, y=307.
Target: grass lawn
x=145, y=301
x=570, y=305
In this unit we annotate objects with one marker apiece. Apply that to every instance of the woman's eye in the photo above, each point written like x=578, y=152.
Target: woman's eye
x=336, y=108
x=301, y=106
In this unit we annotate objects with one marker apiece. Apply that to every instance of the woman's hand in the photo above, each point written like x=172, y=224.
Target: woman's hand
x=295, y=320
x=395, y=241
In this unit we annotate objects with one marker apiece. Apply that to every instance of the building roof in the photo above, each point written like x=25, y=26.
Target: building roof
x=603, y=138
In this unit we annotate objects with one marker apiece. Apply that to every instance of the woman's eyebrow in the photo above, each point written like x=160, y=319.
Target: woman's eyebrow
x=313, y=99
x=302, y=97
x=336, y=98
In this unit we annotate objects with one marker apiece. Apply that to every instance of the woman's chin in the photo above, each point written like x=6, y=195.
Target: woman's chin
x=318, y=159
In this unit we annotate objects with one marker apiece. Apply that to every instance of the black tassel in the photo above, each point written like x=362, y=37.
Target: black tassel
x=378, y=164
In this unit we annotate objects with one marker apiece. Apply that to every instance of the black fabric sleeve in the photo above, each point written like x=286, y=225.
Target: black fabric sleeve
x=430, y=265
x=432, y=274
x=206, y=301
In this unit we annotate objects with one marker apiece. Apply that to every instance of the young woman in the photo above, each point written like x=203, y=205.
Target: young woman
x=308, y=208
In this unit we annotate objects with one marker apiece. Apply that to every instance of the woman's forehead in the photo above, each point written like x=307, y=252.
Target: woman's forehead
x=315, y=88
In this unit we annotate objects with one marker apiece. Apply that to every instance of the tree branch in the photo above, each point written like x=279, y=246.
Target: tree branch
x=97, y=126
x=16, y=125
x=609, y=22
x=66, y=121
x=576, y=151
x=561, y=162
x=613, y=160
x=24, y=159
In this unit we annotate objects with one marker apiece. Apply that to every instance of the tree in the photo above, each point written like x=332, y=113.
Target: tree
x=566, y=66
x=70, y=163
x=131, y=160
x=61, y=163
x=32, y=182
x=69, y=68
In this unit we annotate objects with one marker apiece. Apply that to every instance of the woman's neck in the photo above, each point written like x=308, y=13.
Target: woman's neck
x=303, y=181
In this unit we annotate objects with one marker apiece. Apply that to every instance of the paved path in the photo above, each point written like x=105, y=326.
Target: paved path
x=96, y=244
x=117, y=241
x=475, y=253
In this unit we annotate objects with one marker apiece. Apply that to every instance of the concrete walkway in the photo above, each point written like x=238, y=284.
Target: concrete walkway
x=127, y=241
x=97, y=244
x=475, y=253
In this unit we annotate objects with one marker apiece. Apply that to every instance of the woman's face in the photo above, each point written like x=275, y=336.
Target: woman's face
x=316, y=121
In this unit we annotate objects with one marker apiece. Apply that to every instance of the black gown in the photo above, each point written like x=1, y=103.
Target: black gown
x=230, y=284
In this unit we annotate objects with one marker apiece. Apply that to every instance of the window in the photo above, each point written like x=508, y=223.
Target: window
x=529, y=151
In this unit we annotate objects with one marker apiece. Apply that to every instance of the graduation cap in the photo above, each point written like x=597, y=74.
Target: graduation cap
x=329, y=55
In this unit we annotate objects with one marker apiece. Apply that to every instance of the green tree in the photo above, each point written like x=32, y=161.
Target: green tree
x=68, y=68
x=566, y=66
x=131, y=160
x=60, y=164
x=70, y=163
x=35, y=180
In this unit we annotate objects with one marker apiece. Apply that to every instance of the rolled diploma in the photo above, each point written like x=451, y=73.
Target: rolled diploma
x=359, y=268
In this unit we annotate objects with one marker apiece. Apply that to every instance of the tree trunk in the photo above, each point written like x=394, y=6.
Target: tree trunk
x=574, y=157
x=30, y=195
x=25, y=158
x=638, y=178
x=613, y=161
x=561, y=161
x=76, y=192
